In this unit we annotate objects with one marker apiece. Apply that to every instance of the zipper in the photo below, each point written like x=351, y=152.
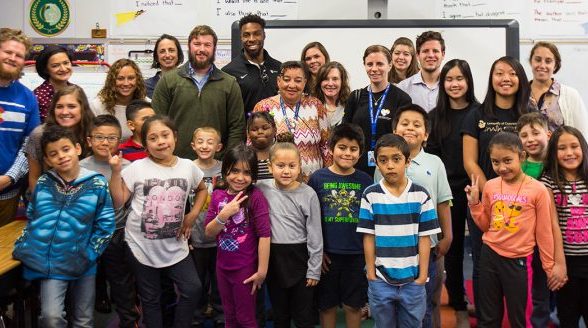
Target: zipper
x=63, y=204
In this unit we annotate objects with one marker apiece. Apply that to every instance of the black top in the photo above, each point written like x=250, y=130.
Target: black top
x=477, y=125
x=450, y=149
x=357, y=112
x=254, y=84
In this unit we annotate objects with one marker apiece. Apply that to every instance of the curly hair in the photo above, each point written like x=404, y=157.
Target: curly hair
x=8, y=34
x=108, y=93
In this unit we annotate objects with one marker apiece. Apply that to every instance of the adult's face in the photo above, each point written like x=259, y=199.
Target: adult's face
x=126, y=82
x=401, y=58
x=314, y=59
x=12, y=58
x=542, y=64
x=201, y=51
x=252, y=37
x=59, y=67
x=291, y=85
x=331, y=85
x=431, y=56
x=377, y=67
x=505, y=80
x=167, y=54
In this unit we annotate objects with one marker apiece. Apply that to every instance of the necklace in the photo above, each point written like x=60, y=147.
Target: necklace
x=500, y=220
x=376, y=101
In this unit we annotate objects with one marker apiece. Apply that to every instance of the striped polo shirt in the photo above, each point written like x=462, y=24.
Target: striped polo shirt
x=397, y=223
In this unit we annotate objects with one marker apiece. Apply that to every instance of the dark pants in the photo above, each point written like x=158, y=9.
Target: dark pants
x=502, y=278
x=292, y=304
x=454, y=257
x=205, y=260
x=572, y=302
x=118, y=271
x=540, y=293
x=184, y=275
x=476, y=244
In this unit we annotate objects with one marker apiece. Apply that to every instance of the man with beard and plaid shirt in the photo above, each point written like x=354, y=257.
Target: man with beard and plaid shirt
x=19, y=115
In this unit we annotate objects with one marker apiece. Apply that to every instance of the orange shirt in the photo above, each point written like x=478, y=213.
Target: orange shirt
x=512, y=224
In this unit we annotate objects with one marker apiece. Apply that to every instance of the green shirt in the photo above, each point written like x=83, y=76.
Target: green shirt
x=533, y=169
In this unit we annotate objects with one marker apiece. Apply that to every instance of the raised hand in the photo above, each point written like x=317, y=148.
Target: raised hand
x=473, y=191
x=232, y=207
x=115, y=161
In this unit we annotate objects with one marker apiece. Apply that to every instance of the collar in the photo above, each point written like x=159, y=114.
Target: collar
x=418, y=79
x=420, y=157
x=192, y=71
x=214, y=73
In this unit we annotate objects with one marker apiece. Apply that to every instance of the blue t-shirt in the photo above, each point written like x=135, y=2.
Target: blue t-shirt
x=340, y=198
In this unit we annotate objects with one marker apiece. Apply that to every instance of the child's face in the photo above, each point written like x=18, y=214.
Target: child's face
x=161, y=141
x=345, y=154
x=411, y=127
x=62, y=155
x=239, y=177
x=285, y=167
x=110, y=136
x=506, y=162
x=505, y=80
x=206, y=144
x=68, y=111
x=392, y=164
x=569, y=153
x=136, y=124
x=261, y=133
x=534, y=139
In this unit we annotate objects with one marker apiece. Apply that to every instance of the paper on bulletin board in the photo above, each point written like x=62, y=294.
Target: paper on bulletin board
x=562, y=18
x=151, y=18
x=49, y=18
x=225, y=12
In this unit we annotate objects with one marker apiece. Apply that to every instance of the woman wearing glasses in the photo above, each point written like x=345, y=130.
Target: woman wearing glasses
x=302, y=116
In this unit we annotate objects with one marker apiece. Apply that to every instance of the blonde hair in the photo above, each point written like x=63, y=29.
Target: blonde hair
x=208, y=129
x=8, y=34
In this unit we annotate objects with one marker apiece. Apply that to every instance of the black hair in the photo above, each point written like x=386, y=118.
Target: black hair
x=347, y=131
x=43, y=59
x=178, y=46
x=521, y=104
x=54, y=133
x=134, y=106
x=106, y=120
x=429, y=36
x=441, y=126
x=252, y=18
x=392, y=140
x=153, y=119
x=240, y=153
x=414, y=108
x=262, y=115
x=552, y=168
x=508, y=140
x=294, y=64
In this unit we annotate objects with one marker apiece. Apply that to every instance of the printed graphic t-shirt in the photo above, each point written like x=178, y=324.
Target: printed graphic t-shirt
x=159, y=196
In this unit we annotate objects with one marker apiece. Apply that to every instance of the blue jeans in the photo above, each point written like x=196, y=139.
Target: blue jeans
x=397, y=306
x=53, y=293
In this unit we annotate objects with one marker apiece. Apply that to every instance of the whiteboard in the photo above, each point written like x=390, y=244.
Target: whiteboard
x=480, y=42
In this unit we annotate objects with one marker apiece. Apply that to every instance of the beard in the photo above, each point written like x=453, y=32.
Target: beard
x=201, y=64
x=9, y=75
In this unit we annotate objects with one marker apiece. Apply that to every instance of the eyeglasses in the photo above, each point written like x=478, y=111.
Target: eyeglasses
x=264, y=76
x=101, y=138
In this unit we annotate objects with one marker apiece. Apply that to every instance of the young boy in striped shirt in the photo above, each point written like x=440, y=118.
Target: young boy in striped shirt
x=396, y=217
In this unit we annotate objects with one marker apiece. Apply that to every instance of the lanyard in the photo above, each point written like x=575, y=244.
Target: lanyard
x=286, y=119
x=374, y=118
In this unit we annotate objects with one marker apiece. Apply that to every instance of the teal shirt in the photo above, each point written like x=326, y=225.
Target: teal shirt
x=532, y=169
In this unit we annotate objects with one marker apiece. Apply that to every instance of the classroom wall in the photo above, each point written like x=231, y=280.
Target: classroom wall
x=562, y=22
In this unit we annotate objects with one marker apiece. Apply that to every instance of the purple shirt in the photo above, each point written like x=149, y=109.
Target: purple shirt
x=237, y=242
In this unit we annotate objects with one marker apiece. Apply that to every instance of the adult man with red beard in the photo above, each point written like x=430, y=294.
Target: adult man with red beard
x=19, y=115
x=255, y=71
x=198, y=94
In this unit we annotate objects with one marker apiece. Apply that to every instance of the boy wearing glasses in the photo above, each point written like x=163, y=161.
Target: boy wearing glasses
x=104, y=140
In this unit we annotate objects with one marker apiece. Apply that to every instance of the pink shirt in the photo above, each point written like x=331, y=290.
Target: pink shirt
x=514, y=221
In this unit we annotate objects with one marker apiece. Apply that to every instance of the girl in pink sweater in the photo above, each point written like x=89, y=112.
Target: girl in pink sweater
x=514, y=214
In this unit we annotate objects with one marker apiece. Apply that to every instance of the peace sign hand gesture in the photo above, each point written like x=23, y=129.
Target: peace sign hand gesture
x=473, y=191
x=232, y=207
